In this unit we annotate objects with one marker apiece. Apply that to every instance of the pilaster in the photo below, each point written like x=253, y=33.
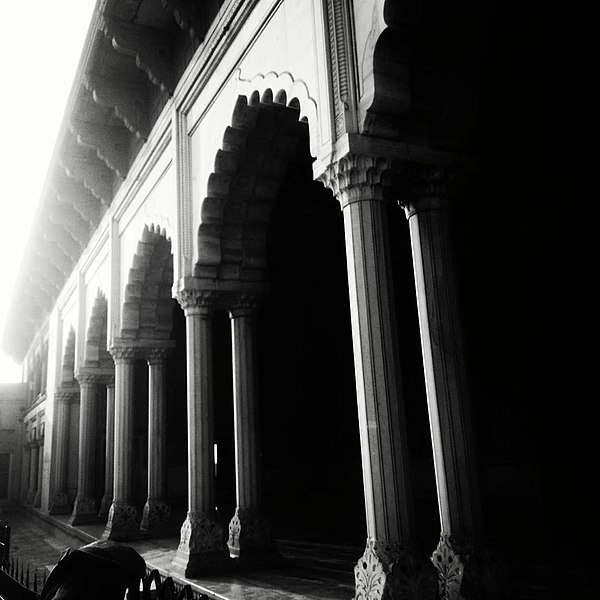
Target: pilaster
x=37, y=501
x=201, y=547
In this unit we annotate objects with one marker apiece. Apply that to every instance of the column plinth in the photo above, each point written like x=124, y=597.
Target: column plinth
x=122, y=521
x=85, y=510
x=202, y=546
x=249, y=534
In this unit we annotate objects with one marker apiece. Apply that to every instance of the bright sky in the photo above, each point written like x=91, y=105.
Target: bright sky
x=40, y=46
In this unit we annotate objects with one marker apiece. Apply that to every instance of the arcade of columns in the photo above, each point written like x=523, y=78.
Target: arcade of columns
x=358, y=183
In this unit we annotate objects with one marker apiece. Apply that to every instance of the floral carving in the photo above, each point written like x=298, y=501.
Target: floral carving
x=369, y=575
x=200, y=533
x=122, y=516
x=450, y=569
x=247, y=529
x=157, y=514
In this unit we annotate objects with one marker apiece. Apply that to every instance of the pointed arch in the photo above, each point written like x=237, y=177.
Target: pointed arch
x=147, y=304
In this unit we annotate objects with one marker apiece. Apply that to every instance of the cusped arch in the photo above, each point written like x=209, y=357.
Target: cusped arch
x=147, y=306
x=96, y=354
x=68, y=362
x=267, y=139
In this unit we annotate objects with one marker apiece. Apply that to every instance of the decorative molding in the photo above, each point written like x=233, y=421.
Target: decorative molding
x=195, y=301
x=186, y=15
x=369, y=575
x=123, y=353
x=150, y=48
x=126, y=99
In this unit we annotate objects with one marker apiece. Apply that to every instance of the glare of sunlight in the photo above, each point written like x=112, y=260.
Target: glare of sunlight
x=40, y=47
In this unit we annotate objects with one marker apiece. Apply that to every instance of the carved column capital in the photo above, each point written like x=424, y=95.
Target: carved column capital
x=358, y=177
x=123, y=353
x=157, y=356
x=244, y=305
x=195, y=302
x=87, y=378
x=427, y=188
x=65, y=395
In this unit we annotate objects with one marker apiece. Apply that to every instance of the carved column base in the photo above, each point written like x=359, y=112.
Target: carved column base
x=105, y=505
x=37, y=501
x=202, y=547
x=450, y=569
x=470, y=570
x=390, y=570
x=30, y=497
x=122, y=522
x=250, y=539
x=156, y=519
x=60, y=504
x=84, y=512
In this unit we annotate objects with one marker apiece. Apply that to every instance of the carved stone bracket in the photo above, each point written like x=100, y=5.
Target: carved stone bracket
x=427, y=188
x=126, y=99
x=65, y=215
x=109, y=143
x=186, y=15
x=83, y=203
x=61, y=236
x=150, y=48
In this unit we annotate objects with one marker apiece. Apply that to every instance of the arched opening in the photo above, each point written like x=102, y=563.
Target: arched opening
x=153, y=321
x=265, y=220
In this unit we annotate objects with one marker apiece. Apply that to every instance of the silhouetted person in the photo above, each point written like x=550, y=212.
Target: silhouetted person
x=102, y=570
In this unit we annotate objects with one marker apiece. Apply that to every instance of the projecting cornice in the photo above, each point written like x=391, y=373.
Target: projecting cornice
x=150, y=48
x=186, y=15
x=127, y=100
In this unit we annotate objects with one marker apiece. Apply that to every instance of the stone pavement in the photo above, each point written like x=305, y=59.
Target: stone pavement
x=311, y=571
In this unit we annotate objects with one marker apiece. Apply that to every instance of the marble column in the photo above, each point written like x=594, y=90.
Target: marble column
x=249, y=535
x=37, y=501
x=202, y=547
x=156, y=519
x=60, y=498
x=122, y=518
x=426, y=207
x=33, y=470
x=107, y=498
x=357, y=183
x=84, y=509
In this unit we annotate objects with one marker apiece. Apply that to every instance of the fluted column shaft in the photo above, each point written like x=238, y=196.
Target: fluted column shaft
x=443, y=355
x=109, y=456
x=84, y=509
x=357, y=182
x=122, y=519
x=248, y=532
x=157, y=513
x=60, y=498
x=201, y=546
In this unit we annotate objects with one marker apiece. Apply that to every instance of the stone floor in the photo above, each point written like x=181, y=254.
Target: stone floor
x=310, y=571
